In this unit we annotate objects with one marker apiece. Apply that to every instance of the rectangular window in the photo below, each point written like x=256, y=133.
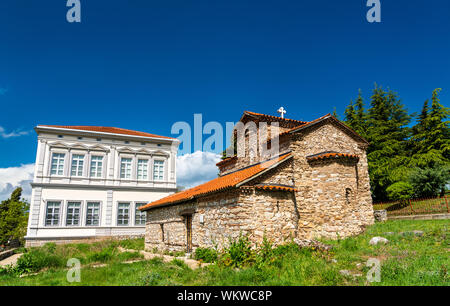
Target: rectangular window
x=57, y=167
x=140, y=216
x=73, y=213
x=77, y=165
x=96, y=166
x=123, y=213
x=158, y=170
x=92, y=213
x=142, y=169
x=52, y=214
x=125, y=168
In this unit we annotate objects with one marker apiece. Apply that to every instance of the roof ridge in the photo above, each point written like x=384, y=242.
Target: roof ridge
x=272, y=116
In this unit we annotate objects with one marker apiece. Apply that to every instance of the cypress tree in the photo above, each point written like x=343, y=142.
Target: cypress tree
x=387, y=133
x=430, y=141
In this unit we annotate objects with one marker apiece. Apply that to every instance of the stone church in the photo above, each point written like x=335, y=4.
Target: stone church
x=317, y=186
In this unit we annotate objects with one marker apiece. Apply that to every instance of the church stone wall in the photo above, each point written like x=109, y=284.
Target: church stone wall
x=332, y=199
x=333, y=196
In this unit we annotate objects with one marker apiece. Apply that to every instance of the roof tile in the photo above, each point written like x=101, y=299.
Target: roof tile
x=221, y=183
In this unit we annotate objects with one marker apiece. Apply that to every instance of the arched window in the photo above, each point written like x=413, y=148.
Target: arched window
x=348, y=195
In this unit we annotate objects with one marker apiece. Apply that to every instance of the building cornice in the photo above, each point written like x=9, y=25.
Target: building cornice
x=105, y=187
x=67, y=131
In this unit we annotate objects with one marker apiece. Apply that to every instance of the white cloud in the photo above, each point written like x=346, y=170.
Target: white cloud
x=13, y=177
x=15, y=133
x=196, y=168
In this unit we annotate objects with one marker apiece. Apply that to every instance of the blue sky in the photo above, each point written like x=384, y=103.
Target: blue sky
x=143, y=64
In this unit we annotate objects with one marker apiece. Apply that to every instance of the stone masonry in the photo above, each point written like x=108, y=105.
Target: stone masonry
x=310, y=194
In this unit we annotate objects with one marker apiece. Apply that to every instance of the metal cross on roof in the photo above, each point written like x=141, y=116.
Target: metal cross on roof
x=282, y=111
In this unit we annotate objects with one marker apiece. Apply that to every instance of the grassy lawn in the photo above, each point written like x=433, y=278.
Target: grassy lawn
x=406, y=260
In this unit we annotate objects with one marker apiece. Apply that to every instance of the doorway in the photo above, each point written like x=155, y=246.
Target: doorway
x=188, y=233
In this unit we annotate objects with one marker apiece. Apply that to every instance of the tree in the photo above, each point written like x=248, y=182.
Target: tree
x=13, y=217
x=387, y=133
x=400, y=191
x=430, y=142
x=350, y=116
x=430, y=182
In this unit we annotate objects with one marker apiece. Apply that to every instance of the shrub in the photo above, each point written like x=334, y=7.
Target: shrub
x=239, y=253
x=151, y=279
x=37, y=259
x=429, y=182
x=400, y=191
x=206, y=254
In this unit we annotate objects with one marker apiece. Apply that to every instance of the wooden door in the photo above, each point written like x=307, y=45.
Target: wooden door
x=188, y=233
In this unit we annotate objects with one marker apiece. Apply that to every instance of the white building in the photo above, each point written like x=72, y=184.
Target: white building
x=89, y=182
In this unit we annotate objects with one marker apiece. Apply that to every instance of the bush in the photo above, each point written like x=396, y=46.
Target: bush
x=239, y=253
x=206, y=254
x=429, y=182
x=400, y=191
x=37, y=259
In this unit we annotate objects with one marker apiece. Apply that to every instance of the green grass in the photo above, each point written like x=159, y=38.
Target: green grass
x=406, y=260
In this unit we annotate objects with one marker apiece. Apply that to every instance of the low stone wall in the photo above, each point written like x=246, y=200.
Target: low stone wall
x=380, y=215
x=7, y=253
x=421, y=217
x=66, y=240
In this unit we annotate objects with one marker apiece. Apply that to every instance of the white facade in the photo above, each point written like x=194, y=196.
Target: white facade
x=88, y=184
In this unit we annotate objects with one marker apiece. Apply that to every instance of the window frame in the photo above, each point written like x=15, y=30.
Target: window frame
x=144, y=170
x=97, y=167
x=129, y=215
x=58, y=164
x=99, y=213
x=125, y=170
x=60, y=202
x=80, y=213
x=162, y=165
x=78, y=169
x=136, y=206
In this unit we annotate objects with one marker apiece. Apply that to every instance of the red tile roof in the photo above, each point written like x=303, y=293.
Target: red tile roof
x=105, y=129
x=275, y=187
x=331, y=155
x=218, y=184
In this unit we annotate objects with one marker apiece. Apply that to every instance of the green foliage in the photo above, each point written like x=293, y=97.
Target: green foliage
x=37, y=259
x=206, y=254
x=430, y=142
x=430, y=182
x=395, y=148
x=13, y=218
x=132, y=244
x=405, y=260
x=400, y=191
x=239, y=253
x=104, y=255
